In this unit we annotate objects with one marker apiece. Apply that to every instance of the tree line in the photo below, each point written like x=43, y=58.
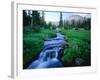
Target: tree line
x=35, y=20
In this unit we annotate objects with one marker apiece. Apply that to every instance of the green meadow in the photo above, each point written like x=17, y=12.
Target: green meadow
x=78, y=41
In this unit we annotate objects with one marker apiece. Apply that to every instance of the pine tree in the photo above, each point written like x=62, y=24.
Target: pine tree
x=35, y=22
x=60, y=22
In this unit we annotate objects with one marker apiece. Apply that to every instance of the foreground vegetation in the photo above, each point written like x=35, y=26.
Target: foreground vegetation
x=78, y=40
x=33, y=43
x=79, y=47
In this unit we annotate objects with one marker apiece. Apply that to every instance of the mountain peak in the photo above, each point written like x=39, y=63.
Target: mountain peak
x=75, y=17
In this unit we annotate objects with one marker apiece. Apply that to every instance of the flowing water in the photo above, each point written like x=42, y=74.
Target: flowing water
x=51, y=54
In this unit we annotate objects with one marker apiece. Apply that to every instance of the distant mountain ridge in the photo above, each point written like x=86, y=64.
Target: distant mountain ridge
x=75, y=17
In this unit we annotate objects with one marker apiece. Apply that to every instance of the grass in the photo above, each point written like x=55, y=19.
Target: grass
x=79, y=47
x=33, y=43
x=78, y=40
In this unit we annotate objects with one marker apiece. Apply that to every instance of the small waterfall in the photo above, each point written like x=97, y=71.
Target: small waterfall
x=48, y=54
x=51, y=53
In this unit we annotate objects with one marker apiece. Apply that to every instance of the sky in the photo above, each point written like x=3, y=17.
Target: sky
x=55, y=16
